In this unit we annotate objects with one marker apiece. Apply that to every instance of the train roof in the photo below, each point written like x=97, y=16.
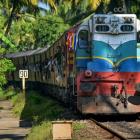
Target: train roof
x=27, y=53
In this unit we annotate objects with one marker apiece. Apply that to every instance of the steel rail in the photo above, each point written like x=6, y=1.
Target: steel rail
x=109, y=130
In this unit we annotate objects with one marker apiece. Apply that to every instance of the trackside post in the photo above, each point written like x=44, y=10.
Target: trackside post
x=23, y=74
x=62, y=130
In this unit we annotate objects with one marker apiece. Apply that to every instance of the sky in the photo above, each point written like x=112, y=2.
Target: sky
x=43, y=5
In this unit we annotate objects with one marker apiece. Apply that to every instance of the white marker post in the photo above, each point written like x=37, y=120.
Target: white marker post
x=23, y=74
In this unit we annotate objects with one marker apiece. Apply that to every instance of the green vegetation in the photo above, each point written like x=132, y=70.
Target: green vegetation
x=77, y=126
x=13, y=9
x=33, y=32
x=51, y=29
x=43, y=131
x=35, y=108
x=6, y=65
x=32, y=106
x=7, y=94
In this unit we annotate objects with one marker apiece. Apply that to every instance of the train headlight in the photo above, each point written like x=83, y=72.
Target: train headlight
x=88, y=73
x=128, y=20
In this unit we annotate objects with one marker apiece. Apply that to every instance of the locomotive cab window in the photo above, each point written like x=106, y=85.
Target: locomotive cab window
x=127, y=28
x=83, y=39
x=102, y=28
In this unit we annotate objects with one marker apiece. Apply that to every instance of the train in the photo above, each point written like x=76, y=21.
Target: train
x=93, y=67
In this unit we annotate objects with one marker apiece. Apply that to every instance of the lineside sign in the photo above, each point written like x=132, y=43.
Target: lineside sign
x=23, y=73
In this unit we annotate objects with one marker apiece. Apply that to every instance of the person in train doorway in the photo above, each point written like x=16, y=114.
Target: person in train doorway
x=58, y=63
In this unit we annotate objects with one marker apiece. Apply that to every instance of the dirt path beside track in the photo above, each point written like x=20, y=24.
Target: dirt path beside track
x=10, y=125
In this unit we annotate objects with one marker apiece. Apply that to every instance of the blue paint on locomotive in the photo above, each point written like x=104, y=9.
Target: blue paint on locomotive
x=82, y=57
x=129, y=65
x=99, y=65
x=103, y=58
x=127, y=49
x=102, y=49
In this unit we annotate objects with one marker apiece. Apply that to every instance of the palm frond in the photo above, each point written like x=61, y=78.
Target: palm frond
x=94, y=4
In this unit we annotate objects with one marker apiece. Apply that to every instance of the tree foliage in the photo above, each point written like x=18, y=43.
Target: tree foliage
x=22, y=34
x=32, y=32
x=6, y=65
x=74, y=10
x=48, y=29
x=12, y=9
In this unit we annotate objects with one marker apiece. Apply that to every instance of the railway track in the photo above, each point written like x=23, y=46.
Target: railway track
x=122, y=130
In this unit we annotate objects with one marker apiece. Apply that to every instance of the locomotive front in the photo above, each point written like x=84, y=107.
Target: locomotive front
x=108, y=65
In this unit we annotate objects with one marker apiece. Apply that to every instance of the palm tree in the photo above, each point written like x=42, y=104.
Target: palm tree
x=14, y=6
x=94, y=4
x=74, y=10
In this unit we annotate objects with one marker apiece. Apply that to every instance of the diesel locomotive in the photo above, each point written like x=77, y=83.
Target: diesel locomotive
x=94, y=66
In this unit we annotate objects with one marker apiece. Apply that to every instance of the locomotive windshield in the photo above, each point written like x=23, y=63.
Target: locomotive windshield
x=83, y=39
x=113, y=24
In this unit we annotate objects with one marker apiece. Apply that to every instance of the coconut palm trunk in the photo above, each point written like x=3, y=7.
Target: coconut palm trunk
x=10, y=19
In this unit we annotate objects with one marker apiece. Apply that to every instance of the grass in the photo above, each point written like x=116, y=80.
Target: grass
x=43, y=131
x=7, y=94
x=31, y=106
x=37, y=109
x=2, y=97
x=77, y=126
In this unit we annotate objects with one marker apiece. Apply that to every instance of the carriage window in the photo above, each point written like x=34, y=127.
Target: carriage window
x=127, y=28
x=83, y=39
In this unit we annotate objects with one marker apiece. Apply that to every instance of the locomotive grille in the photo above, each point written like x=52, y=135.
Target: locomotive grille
x=87, y=86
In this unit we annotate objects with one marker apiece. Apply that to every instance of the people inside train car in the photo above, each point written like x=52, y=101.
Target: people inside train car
x=46, y=68
x=63, y=63
x=50, y=64
x=59, y=56
x=41, y=66
x=31, y=67
x=46, y=64
x=36, y=67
